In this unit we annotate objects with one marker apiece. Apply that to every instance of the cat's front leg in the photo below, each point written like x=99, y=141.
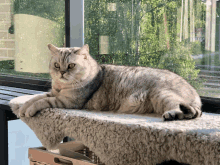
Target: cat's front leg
x=51, y=102
x=30, y=102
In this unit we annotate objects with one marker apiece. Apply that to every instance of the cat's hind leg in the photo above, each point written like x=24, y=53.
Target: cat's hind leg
x=174, y=107
x=174, y=114
x=136, y=103
x=182, y=112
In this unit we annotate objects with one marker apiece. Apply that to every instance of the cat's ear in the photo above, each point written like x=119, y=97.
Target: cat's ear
x=75, y=50
x=52, y=48
x=84, y=51
x=85, y=48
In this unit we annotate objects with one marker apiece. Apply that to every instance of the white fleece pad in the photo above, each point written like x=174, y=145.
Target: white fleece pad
x=129, y=139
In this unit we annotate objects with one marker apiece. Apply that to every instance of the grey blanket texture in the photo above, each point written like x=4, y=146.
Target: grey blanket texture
x=121, y=139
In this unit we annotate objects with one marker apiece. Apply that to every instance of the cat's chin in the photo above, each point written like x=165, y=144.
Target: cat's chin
x=62, y=79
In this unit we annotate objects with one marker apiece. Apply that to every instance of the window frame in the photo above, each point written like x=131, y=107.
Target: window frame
x=211, y=105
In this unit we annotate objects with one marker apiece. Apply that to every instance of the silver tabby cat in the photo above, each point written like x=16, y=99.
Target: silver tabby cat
x=79, y=82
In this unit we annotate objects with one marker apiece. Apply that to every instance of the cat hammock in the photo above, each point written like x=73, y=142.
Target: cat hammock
x=129, y=139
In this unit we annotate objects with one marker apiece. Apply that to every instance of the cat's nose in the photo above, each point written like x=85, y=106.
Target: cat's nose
x=62, y=72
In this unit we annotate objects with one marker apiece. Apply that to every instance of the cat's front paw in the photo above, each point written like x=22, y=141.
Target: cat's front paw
x=15, y=108
x=24, y=107
x=22, y=111
x=31, y=111
x=28, y=112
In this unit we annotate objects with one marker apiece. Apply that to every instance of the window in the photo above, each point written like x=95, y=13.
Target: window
x=181, y=36
x=26, y=27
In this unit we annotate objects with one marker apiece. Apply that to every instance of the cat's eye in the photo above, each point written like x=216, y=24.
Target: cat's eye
x=56, y=65
x=71, y=66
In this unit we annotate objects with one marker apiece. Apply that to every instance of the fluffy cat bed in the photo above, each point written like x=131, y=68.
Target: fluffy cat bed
x=129, y=139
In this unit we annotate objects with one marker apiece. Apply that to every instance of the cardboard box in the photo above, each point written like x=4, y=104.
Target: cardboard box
x=69, y=153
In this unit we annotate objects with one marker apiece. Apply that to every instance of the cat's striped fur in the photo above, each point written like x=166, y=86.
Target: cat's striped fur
x=79, y=82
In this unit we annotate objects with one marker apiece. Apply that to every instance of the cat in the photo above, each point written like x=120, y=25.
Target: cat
x=79, y=82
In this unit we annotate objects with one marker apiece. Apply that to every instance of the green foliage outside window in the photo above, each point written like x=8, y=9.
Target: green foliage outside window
x=144, y=33
x=49, y=9
x=181, y=62
x=53, y=10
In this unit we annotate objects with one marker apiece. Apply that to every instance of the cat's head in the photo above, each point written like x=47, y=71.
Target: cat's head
x=71, y=65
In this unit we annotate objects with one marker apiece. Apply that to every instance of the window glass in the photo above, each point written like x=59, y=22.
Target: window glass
x=26, y=27
x=181, y=36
